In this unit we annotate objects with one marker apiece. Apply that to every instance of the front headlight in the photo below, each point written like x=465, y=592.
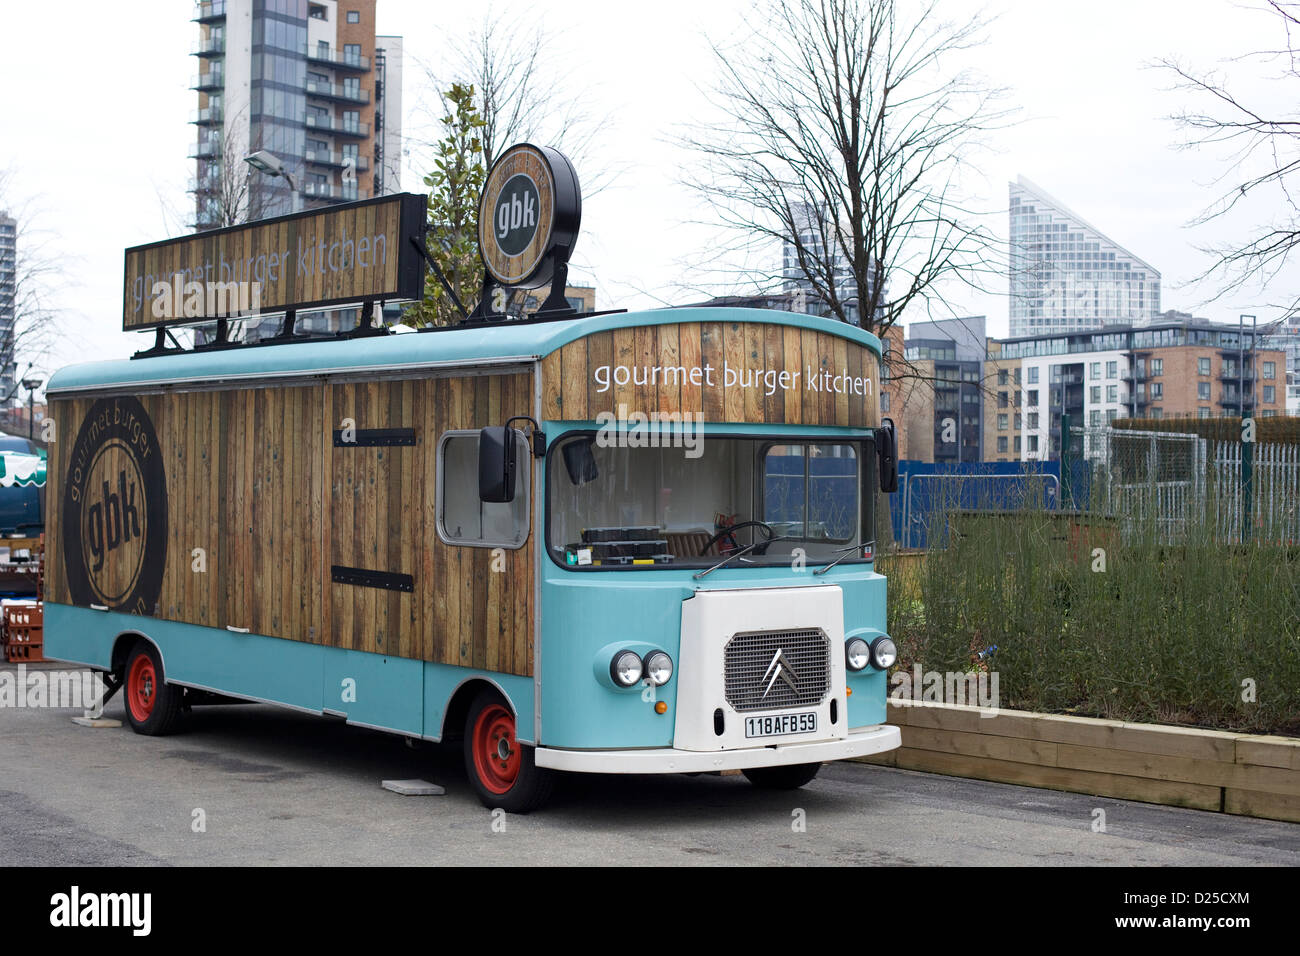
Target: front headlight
x=659, y=667
x=883, y=653
x=857, y=654
x=625, y=668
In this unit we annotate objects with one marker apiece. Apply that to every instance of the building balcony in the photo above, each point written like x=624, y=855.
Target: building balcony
x=322, y=157
x=210, y=47
x=210, y=11
x=338, y=59
x=204, y=150
x=1226, y=375
x=1134, y=375
x=207, y=116
x=337, y=91
x=348, y=192
x=329, y=124
x=212, y=80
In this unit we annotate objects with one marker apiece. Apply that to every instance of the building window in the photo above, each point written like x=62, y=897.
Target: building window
x=1017, y=445
x=1002, y=423
x=1202, y=366
x=1033, y=444
x=1017, y=378
x=1270, y=393
x=1203, y=389
x=1157, y=413
x=1032, y=401
x=1157, y=390
x=1002, y=376
x=884, y=401
x=1112, y=393
x=1095, y=371
x=1002, y=444
x=1157, y=367
x=1017, y=421
x=1112, y=414
x=1094, y=394
x=352, y=53
x=1033, y=419
x=1094, y=417
x=1002, y=400
x=352, y=120
x=1268, y=413
x=1202, y=413
x=465, y=519
x=1270, y=369
x=1033, y=375
x=1112, y=369
x=354, y=16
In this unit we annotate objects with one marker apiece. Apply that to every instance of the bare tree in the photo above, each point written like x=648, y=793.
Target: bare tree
x=1264, y=159
x=28, y=293
x=224, y=188
x=522, y=94
x=844, y=130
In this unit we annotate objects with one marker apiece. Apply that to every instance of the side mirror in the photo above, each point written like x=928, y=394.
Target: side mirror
x=887, y=453
x=496, y=464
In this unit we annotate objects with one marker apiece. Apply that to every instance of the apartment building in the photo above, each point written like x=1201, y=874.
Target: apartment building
x=1176, y=367
x=306, y=80
x=8, y=301
x=1066, y=275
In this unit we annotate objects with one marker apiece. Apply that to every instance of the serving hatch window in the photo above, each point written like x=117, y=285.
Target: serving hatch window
x=616, y=507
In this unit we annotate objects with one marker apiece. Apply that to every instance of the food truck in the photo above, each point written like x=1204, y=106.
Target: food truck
x=631, y=542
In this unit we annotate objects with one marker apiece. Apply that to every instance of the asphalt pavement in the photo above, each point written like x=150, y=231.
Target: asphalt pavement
x=253, y=784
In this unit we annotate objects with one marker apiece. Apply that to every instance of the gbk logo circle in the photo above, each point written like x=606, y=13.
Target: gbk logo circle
x=115, y=509
x=514, y=222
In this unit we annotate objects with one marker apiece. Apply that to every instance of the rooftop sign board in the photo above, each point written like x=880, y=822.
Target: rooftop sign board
x=358, y=252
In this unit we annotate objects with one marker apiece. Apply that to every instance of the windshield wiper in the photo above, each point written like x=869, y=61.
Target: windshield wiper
x=738, y=554
x=843, y=553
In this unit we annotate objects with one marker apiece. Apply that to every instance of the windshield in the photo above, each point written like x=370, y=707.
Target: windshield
x=627, y=508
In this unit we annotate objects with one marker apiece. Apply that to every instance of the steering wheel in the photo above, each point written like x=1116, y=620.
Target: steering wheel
x=726, y=532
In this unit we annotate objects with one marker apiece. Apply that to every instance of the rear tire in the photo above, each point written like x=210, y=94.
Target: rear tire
x=502, y=770
x=153, y=707
x=790, y=777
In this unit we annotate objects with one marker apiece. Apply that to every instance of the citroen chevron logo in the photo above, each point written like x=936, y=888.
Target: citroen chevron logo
x=781, y=668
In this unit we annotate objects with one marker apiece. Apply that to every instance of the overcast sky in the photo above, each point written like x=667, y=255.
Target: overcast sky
x=94, y=107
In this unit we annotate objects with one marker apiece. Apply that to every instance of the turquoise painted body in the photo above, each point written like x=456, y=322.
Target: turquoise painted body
x=390, y=693
x=448, y=346
x=580, y=613
x=583, y=611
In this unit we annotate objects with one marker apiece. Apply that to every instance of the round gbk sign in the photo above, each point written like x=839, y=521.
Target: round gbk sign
x=115, y=509
x=529, y=215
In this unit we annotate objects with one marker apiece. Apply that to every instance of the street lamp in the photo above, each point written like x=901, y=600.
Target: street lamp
x=272, y=165
x=31, y=384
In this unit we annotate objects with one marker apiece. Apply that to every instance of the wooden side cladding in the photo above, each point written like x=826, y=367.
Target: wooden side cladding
x=725, y=371
x=462, y=612
x=260, y=504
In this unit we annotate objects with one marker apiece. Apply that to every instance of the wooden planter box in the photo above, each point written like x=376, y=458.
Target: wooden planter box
x=1246, y=774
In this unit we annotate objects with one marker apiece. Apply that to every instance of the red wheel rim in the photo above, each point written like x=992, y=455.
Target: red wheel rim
x=141, y=688
x=496, y=751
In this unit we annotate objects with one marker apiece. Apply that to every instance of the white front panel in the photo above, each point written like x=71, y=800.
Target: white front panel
x=711, y=620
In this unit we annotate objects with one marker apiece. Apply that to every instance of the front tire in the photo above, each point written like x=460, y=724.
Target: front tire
x=501, y=769
x=790, y=777
x=153, y=707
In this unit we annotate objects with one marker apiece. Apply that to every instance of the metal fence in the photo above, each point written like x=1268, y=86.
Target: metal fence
x=1178, y=485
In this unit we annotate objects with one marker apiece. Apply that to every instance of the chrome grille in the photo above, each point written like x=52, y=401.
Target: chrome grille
x=767, y=670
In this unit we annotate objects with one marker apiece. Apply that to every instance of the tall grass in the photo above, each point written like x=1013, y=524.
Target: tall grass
x=1147, y=628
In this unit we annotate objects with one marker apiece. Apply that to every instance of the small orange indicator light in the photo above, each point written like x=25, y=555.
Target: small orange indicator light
x=661, y=707
x=848, y=692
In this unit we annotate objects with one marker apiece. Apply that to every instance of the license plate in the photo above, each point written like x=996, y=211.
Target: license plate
x=778, y=724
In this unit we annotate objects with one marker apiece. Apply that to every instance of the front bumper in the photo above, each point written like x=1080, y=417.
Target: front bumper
x=859, y=743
